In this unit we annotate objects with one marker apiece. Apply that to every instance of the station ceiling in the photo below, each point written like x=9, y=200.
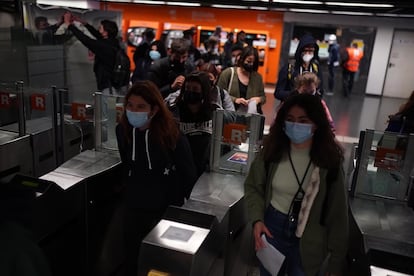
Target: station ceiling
x=363, y=7
x=387, y=8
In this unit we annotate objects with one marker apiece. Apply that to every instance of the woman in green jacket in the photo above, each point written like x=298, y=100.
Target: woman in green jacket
x=243, y=82
x=295, y=191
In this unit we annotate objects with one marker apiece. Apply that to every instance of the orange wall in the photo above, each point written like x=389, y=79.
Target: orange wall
x=267, y=22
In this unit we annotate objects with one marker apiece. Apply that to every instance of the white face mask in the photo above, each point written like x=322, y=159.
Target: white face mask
x=307, y=57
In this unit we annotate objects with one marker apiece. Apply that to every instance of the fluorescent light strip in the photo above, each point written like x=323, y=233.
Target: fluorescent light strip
x=352, y=13
x=73, y=4
x=395, y=15
x=149, y=2
x=299, y=2
x=347, y=4
x=228, y=6
x=258, y=8
x=308, y=11
x=186, y=4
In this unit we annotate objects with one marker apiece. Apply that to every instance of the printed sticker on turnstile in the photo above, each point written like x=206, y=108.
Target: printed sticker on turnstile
x=238, y=157
x=38, y=101
x=5, y=100
x=234, y=134
x=389, y=159
x=119, y=112
x=79, y=111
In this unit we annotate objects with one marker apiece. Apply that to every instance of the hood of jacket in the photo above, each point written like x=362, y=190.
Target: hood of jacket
x=306, y=40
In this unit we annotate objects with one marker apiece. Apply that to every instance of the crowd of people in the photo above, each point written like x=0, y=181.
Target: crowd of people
x=295, y=190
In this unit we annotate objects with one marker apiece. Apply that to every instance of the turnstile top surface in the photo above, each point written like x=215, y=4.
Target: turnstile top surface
x=385, y=225
x=8, y=136
x=86, y=164
x=177, y=236
x=33, y=126
x=219, y=188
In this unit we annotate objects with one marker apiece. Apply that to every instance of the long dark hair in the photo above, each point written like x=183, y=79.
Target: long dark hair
x=325, y=151
x=408, y=106
x=163, y=127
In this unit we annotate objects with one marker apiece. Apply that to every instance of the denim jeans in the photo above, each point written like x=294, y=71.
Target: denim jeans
x=284, y=240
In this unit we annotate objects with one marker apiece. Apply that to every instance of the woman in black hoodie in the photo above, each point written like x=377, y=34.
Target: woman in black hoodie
x=157, y=163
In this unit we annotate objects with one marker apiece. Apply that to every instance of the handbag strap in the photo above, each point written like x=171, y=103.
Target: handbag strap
x=231, y=79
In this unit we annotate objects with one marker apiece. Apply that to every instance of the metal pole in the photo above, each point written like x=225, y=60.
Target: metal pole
x=22, y=111
x=98, y=120
x=61, y=122
x=55, y=125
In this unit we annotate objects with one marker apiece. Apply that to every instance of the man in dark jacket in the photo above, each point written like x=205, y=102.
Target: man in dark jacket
x=306, y=60
x=104, y=48
x=168, y=73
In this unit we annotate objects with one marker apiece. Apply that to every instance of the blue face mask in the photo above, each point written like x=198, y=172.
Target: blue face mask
x=154, y=55
x=298, y=132
x=137, y=119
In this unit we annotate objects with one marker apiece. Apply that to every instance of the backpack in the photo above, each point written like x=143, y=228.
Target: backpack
x=396, y=123
x=315, y=69
x=122, y=69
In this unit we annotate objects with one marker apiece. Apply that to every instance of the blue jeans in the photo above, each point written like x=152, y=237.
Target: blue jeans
x=284, y=240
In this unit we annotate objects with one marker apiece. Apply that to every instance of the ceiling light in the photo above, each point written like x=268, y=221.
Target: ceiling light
x=186, y=4
x=258, y=8
x=228, y=6
x=299, y=2
x=149, y=2
x=348, y=4
x=352, y=13
x=308, y=10
x=395, y=15
x=73, y=4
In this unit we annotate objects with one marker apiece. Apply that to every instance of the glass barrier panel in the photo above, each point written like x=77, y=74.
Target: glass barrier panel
x=236, y=139
x=385, y=165
x=9, y=109
x=111, y=108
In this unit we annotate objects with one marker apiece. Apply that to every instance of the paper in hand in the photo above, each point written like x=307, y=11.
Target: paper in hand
x=252, y=107
x=270, y=257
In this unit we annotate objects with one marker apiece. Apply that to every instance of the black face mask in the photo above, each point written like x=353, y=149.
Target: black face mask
x=248, y=67
x=193, y=97
x=177, y=65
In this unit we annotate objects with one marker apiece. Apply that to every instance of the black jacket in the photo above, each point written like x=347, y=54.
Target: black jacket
x=104, y=50
x=286, y=77
x=163, y=73
x=155, y=178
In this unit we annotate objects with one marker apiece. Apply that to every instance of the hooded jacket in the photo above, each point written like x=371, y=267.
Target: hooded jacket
x=155, y=178
x=286, y=76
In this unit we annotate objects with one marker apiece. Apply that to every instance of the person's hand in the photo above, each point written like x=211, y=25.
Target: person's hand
x=178, y=82
x=241, y=101
x=258, y=229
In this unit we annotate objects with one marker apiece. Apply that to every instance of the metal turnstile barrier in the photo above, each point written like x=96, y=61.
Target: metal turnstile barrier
x=217, y=194
x=380, y=199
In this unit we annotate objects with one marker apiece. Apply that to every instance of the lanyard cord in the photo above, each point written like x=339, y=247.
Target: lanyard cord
x=300, y=183
x=291, y=215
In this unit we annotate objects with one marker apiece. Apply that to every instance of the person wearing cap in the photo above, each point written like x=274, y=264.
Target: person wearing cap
x=333, y=61
x=306, y=60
